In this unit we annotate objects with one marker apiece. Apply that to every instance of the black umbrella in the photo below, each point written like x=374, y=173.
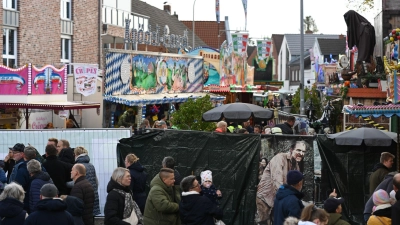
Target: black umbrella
x=368, y=136
x=237, y=112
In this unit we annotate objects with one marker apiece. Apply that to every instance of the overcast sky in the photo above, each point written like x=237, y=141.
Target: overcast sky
x=266, y=17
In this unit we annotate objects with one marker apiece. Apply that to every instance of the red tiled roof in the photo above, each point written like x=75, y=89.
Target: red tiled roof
x=208, y=31
x=365, y=93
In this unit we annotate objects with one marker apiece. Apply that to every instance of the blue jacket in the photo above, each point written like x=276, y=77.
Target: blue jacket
x=138, y=184
x=15, y=170
x=12, y=212
x=50, y=211
x=21, y=176
x=3, y=178
x=38, y=180
x=287, y=203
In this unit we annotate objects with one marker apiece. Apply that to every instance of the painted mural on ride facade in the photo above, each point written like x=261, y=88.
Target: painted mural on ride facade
x=233, y=63
x=148, y=73
x=13, y=81
x=210, y=65
x=49, y=80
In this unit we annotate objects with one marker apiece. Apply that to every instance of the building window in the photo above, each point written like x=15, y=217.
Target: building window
x=10, y=4
x=65, y=9
x=66, y=52
x=9, y=47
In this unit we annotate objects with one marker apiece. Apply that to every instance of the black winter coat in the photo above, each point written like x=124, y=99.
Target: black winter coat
x=196, y=209
x=67, y=155
x=138, y=184
x=12, y=212
x=60, y=173
x=115, y=204
x=83, y=189
x=75, y=206
x=49, y=212
x=285, y=127
x=8, y=167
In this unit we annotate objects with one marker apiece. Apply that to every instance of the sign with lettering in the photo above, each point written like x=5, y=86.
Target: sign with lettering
x=154, y=38
x=39, y=120
x=85, y=77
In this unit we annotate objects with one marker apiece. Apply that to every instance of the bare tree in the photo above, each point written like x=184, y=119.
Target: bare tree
x=310, y=23
x=361, y=5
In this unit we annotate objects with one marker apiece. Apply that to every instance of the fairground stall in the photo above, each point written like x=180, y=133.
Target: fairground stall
x=27, y=89
x=149, y=85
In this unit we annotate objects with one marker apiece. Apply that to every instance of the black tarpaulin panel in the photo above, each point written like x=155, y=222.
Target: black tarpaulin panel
x=347, y=169
x=232, y=158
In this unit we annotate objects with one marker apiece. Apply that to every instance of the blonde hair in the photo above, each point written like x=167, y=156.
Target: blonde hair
x=132, y=158
x=80, y=150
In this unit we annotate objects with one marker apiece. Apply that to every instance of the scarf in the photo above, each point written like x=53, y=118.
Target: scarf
x=130, y=205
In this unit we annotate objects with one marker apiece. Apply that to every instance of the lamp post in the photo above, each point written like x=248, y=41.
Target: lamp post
x=193, y=24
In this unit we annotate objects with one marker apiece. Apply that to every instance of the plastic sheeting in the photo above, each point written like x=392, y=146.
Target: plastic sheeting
x=347, y=169
x=233, y=159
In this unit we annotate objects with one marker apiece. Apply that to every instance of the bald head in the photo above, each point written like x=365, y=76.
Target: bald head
x=78, y=170
x=396, y=182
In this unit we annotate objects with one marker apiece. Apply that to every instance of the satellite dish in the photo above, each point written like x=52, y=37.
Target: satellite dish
x=343, y=61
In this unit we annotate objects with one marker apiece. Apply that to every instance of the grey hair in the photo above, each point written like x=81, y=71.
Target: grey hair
x=118, y=174
x=291, y=221
x=30, y=152
x=13, y=190
x=34, y=166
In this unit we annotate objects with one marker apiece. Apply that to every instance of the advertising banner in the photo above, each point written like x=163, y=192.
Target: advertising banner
x=13, y=81
x=239, y=42
x=85, y=77
x=48, y=80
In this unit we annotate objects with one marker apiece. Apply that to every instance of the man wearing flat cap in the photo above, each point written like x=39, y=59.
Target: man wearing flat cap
x=333, y=206
x=50, y=209
x=288, y=198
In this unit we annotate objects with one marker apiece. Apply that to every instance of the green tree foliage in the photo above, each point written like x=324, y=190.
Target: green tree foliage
x=189, y=115
x=361, y=5
x=309, y=94
x=309, y=23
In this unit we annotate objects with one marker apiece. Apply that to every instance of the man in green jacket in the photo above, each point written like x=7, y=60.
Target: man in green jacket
x=380, y=171
x=162, y=204
x=333, y=206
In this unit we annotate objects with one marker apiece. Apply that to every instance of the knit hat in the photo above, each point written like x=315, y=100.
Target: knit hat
x=206, y=175
x=49, y=191
x=331, y=204
x=294, y=177
x=380, y=197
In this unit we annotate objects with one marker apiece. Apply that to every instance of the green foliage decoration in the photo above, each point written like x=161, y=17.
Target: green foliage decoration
x=189, y=116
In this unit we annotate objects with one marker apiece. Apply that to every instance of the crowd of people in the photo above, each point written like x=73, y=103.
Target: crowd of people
x=61, y=187
x=290, y=126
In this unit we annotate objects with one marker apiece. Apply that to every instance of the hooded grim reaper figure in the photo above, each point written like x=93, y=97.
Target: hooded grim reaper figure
x=360, y=33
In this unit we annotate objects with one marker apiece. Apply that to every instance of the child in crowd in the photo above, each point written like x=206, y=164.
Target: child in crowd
x=207, y=187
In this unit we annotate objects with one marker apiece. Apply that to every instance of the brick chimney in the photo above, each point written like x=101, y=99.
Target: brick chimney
x=309, y=32
x=167, y=8
x=341, y=36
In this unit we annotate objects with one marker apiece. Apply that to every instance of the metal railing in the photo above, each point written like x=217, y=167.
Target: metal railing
x=116, y=17
x=10, y=18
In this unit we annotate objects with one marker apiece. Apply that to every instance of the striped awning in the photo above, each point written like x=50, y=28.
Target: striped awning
x=150, y=99
x=375, y=111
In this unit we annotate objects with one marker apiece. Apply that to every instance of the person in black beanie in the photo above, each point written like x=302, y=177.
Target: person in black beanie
x=288, y=198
